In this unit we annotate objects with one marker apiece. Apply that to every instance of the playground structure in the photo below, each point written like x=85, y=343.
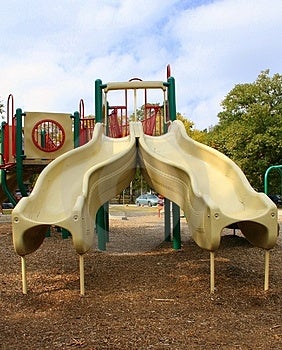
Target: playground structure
x=278, y=169
x=80, y=181
x=31, y=140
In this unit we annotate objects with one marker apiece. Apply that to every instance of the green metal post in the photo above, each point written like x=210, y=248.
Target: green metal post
x=100, y=228
x=176, y=226
x=42, y=138
x=48, y=233
x=167, y=220
x=19, y=152
x=107, y=221
x=278, y=168
x=171, y=99
x=175, y=208
x=100, y=216
x=107, y=123
x=76, y=129
x=5, y=187
x=65, y=233
x=98, y=101
x=4, y=184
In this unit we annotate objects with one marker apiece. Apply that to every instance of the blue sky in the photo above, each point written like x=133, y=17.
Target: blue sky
x=53, y=51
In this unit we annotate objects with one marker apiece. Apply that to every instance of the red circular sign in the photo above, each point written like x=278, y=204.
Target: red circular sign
x=48, y=135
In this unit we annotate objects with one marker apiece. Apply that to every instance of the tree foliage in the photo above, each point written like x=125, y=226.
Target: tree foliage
x=250, y=127
x=1, y=107
x=195, y=134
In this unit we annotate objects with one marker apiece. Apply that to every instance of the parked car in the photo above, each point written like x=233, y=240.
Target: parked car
x=147, y=199
x=276, y=198
x=6, y=205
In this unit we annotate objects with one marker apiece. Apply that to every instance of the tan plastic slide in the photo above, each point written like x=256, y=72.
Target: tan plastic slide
x=211, y=189
x=70, y=190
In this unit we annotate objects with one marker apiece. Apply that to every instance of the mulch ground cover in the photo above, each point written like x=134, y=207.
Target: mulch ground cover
x=140, y=293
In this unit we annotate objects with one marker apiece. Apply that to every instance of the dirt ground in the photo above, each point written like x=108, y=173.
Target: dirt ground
x=140, y=293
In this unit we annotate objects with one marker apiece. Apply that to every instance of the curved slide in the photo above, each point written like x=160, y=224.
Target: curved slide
x=70, y=190
x=210, y=188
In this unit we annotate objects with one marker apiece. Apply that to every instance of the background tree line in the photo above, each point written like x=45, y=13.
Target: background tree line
x=249, y=130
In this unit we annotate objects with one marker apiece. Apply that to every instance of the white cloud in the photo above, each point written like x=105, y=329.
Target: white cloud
x=51, y=55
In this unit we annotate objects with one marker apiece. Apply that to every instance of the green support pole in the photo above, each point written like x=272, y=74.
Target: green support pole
x=100, y=228
x=19, y=152
x=98, y=101
x=76, y=129
x=167, y=218
x=5, y=187
x=175, y=208
x=48, y=233
x=100, y=216
x=42, y=138
x=65, y=233
x=107, y=219
x=167, y=237
x=106, y=205
x=171, y=99
x=107, y=123
x=4, y=184
x=276, y=167
x=176, y=226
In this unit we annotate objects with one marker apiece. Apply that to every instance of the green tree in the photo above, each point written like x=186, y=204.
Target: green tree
x=1, y=107
x=195, y=134
x=250, y=127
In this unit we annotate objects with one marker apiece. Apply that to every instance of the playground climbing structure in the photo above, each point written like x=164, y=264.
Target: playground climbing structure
x=31, y=140
x=188, y=173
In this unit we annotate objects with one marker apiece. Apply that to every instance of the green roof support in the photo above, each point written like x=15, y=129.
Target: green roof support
x=101, y=222
x=19, y=152
x=175, y=208
x=171, y=99
x=98, y=101
x=76, y=129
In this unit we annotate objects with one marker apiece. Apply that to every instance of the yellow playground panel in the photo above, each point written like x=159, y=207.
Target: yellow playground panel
x=47, y=135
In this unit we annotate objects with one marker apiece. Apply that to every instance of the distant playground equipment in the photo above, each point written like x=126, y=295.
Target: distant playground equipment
x=272, y=168
x=103, y=162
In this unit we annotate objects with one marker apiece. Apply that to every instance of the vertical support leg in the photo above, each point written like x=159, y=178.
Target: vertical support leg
x=167, y=221
x=107, y=221
x=266, y=270
x=24, y=284
x=212, y=271
x=176, y=226
x=81, y=274
x=100, y=229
